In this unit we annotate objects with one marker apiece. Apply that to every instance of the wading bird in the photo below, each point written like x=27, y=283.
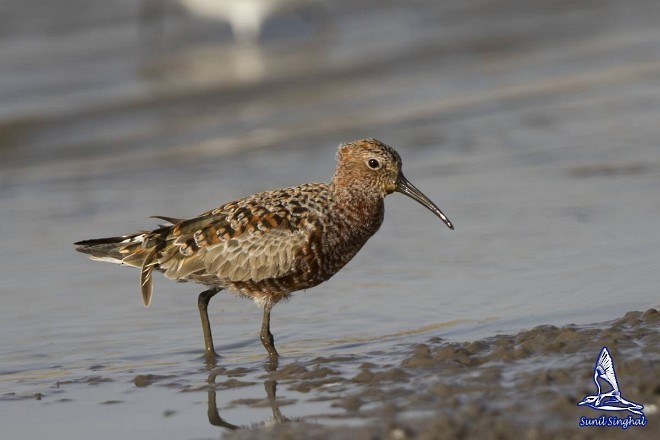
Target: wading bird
x=268, y=245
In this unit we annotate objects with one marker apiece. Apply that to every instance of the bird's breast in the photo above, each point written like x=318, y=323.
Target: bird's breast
x=336, y=230
x=348, y=229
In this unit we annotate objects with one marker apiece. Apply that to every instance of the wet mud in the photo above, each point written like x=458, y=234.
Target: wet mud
x=525, y=385
x=533, y=123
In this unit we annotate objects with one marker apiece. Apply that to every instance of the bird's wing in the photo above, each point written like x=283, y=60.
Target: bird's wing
x=171, y=220
x=251, y=239
x=605, y=366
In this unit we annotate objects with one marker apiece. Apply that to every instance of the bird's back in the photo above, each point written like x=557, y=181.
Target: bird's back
x=264, y=246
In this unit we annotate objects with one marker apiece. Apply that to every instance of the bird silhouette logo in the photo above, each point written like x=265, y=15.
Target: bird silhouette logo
x=610, y=400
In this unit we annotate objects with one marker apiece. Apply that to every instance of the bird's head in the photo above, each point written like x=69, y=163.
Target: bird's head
x=374, y=167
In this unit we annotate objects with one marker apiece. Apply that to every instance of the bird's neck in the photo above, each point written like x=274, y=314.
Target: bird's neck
x=359, y=210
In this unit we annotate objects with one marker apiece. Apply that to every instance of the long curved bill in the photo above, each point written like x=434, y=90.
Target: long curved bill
x=405, y=187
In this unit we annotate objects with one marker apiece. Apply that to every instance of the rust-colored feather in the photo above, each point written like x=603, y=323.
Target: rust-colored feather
x=246, y=240
x=271, y=244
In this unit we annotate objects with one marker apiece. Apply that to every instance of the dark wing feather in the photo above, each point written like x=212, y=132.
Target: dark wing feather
x=146, y=281
x=250, y=240
x=171, y=220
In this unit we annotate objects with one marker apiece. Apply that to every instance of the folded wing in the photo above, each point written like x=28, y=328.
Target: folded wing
x=234, y=244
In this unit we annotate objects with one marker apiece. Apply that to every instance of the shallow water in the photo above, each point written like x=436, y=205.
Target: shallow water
x=533, y=127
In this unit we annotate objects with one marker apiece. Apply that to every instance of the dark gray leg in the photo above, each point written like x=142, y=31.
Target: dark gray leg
x=203, y=303
x=267, y=336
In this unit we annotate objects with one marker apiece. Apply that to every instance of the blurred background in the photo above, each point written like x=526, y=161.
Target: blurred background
x=532, y=123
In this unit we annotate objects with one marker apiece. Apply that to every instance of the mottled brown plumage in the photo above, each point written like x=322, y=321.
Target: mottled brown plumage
x=270, y=244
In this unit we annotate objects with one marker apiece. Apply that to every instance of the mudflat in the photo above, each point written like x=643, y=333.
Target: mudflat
x=532, y=124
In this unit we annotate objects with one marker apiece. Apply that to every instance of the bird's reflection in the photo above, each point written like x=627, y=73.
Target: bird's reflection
x=270, y=386
x=246, y=18
x=214, y=415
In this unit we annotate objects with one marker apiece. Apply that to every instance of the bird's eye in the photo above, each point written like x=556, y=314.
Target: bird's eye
x=374, y=164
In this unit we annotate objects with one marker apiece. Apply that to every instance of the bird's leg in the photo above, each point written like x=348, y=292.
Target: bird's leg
x=267, y=336
x=203, y=303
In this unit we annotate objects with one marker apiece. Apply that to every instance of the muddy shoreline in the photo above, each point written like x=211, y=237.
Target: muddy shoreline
x=533, y=124
x=507, y=386
x=524, y=385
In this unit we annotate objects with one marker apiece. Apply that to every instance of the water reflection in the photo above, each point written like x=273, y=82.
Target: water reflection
x=218, y=66
x=216, y=420
x=214, y=416
x=270, y=385
x=246, y=18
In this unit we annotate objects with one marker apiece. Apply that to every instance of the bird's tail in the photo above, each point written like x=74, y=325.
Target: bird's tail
x=137, y=250
x=114, y=249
